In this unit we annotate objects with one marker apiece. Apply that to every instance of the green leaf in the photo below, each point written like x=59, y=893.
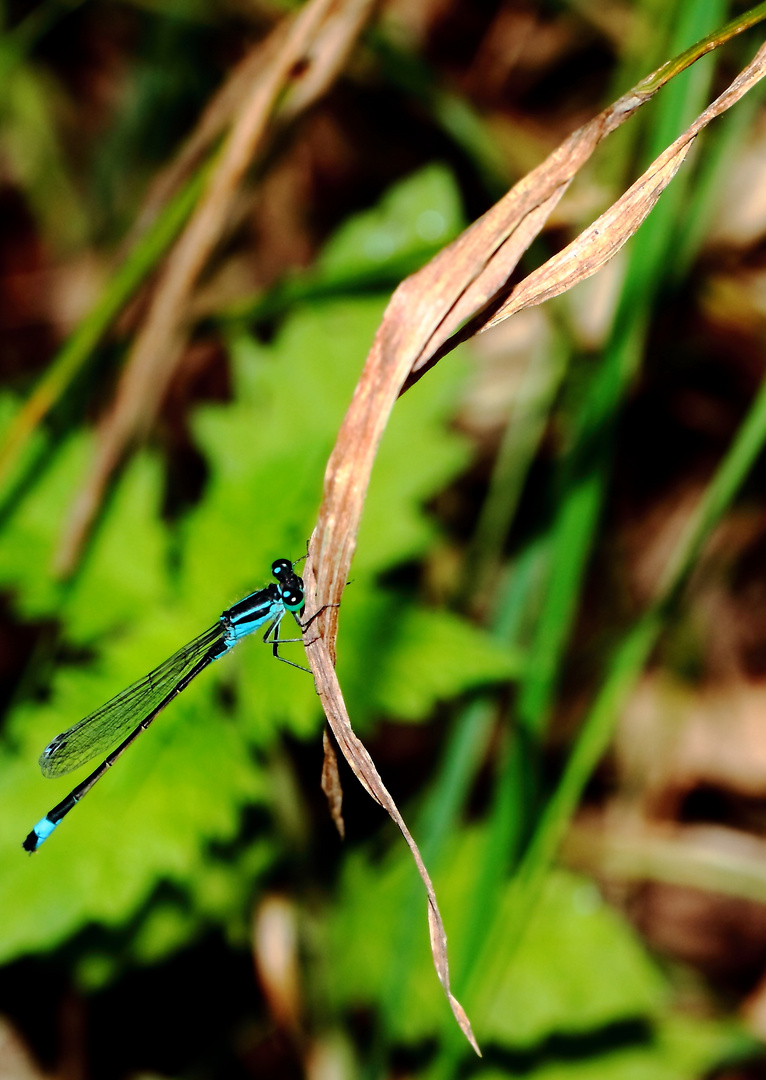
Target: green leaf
x=583, y=998
x=124, y=569
x=407, y=659
x=674, y=1048
x=413, y=218
x=556, y=985
x=175, y=803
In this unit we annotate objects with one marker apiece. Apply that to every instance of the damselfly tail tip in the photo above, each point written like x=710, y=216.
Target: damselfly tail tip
x=41, y=831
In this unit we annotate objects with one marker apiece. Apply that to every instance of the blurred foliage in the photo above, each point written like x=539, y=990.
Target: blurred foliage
x=554, y=999
x=184, y=789
x=526, y=500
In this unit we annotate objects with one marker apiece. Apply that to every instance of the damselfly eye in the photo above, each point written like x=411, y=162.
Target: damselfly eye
x=280, y=567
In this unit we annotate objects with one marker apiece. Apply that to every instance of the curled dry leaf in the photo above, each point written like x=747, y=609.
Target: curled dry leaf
x=364, y=769
x=331, y=785
x=463, y=290
x=596, y=245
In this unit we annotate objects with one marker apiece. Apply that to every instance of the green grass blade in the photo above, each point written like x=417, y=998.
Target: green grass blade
x=628, y=662
x=77, y=351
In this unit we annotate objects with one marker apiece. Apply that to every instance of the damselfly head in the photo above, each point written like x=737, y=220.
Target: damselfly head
x=292, y=598
x=290, y=585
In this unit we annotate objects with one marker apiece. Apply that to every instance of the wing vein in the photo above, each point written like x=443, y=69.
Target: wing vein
x=107, y=726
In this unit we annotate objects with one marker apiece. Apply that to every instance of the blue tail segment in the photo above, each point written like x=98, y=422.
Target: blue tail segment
x=41, y=831
x=125, y=716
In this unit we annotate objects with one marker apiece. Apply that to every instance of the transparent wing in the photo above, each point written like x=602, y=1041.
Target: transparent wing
x=109, y=725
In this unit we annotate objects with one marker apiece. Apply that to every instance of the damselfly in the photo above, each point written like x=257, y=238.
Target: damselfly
x=132, y=711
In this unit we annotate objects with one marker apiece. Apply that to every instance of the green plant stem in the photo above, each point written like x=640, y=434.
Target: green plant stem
x=586, y=472
x=629, y=660
x=707, y=44
x=75, y=353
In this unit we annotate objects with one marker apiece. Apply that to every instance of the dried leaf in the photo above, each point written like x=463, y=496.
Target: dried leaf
x=364, y=769
x=157, y=348
x=469, y=281
x=331, y=785
x=596, y=245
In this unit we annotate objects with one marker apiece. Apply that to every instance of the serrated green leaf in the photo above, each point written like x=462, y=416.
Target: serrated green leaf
x=415, y=215
x=176, y=790
x=124, y=569
x=435, y=657
x=415, y=658
x=185, y=783
x=30, y=537
x=674, y=1047
x=580, y=974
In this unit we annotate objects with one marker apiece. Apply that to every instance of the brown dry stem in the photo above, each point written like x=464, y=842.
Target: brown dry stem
x=331, y=785
x=318, y=37
x=325, y=56
x=430, y=311
x=364, y=769
x=466, y=281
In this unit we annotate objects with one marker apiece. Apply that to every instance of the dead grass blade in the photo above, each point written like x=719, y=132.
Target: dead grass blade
x=465, y=288
x=320, y=34
x=364, y=769
x=212, y=124
x=325, y=56
x=331, y=785
x=467, y=283
x=596, y=245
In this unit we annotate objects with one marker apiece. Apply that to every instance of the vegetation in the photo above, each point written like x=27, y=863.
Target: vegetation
x=550, y=638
